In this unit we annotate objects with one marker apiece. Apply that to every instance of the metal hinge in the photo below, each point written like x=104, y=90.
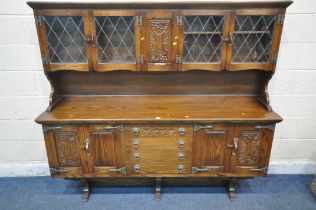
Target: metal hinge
x=263, y=170
x=140, y=59
x=274, y=58
x=55, y=171
x=280, y=19
x=179, y=21
x=199, y=170
x=39, y=20
x=269, y=127
x=45, y=60
x=48, y=128
x=178, y=59
x=119, y=127
x=121, y=170
x=199, y=127
x=139, y=20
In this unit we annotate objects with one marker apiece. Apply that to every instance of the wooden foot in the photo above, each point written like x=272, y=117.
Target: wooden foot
x=232, y=189
x=85, y=190
x=158, y=189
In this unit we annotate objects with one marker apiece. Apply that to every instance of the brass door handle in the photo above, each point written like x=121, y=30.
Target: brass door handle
x=91, y=41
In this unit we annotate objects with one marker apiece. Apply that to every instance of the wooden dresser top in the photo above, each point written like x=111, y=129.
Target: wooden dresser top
x=171, y=4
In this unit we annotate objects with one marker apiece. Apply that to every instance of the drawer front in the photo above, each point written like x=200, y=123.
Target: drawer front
x=158, y=149
x=159, y=168
x=159, y=155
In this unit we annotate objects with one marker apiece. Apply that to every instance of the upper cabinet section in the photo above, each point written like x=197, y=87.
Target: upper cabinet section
x=160, y=39
x=116, y=45
x=63, y=40
x=254, y=39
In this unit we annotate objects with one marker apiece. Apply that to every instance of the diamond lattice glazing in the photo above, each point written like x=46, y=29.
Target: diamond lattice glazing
x=252, y=39
x=65, y=38
x=115, y=39
x=203, y=37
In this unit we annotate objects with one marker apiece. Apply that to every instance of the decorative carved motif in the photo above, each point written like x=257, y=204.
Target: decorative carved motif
x=159, y=41
x=249, y=146
x=148, y=132
x=67, y=148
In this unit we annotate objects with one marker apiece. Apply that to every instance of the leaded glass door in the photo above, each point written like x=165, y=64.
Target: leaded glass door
x=254, y=39
x=203, y=39
x=117, y=40
x=64, y=40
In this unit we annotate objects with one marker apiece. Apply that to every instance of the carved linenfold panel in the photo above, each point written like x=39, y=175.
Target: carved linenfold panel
x=150, y=132
x=249, y=148
x=159, y=41
x=67, y=148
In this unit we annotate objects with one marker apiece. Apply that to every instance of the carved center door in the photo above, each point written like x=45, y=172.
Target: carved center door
x=251, y=152
x=159, y=40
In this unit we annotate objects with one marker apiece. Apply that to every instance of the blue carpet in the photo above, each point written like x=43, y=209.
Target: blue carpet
x=272, y=192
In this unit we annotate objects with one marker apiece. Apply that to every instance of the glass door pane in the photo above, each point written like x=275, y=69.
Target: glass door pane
x=203, y=38
x=65, y=38
x=252, y=39
x=115, y=36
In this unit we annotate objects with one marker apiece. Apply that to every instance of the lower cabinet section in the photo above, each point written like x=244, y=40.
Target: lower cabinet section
x=229, y=150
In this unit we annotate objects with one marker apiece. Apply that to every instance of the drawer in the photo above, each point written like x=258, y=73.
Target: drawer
x=135, y=144
x=157, y=131
x=159, y=168
x=159, y=155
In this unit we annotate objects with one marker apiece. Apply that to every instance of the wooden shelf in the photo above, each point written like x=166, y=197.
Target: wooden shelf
x=100, y=109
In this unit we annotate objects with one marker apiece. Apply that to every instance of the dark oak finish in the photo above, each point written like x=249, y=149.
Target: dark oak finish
x=157, y=91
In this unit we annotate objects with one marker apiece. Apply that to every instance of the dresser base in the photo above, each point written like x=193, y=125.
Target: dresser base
x=158, y=183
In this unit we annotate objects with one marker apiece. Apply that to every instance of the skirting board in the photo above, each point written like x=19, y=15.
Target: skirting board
x=41, y=169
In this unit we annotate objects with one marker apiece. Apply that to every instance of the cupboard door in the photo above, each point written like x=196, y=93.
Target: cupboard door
x=159, y=40
x=251, y=154
x=63, y=150
x=255, y=38
x=64, y=39
x=105, y=154
x=116, y=35
x=210, y=149
x=203, y=39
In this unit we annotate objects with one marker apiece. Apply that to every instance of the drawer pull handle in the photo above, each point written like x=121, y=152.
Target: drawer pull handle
x=234, y=146
x=181, y=143
x=180, y=168
x=136, y=156
x=181, y=131
x=135, y=131
x=121, y=170
x=199, y=170
x=137, y=168
x=136, y=144
x=180, y=156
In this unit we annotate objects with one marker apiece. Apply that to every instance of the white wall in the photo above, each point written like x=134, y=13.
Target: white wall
x=24, y=89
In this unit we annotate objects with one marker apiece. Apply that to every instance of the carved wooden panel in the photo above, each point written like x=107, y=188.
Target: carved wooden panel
x=249, y=148
x=159, y=41
x=67, y=149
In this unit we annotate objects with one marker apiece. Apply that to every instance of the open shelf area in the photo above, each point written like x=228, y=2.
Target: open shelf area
x=99, y=109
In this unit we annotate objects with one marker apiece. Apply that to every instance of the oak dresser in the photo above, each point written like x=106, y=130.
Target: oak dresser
x=159, y=89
